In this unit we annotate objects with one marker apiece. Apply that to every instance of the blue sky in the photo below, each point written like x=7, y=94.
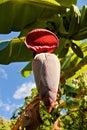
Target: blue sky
x=13, y=87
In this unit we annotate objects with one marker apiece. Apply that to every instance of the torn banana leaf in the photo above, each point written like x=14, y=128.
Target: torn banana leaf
x=27, y=70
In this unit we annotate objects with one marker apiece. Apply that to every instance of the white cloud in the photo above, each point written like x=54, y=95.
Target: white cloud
x=8, y=107
x=1, y=103
x=24, y=90
x=3, y=74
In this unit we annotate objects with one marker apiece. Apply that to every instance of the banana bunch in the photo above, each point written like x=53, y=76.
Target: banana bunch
x=72, y=25
x=68, y=24
x=83, y=19
x=82, y=33
x=75, y=22
x=56, y=25
x=74, y=15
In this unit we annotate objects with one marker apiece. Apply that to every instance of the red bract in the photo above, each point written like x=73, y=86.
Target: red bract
x=41, y=40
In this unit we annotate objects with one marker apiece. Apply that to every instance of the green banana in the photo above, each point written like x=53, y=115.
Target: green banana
x=74, y=20
x=82, y=34
x=61, y=29
x=66, y=62
x=77, y=50
x=83, y=19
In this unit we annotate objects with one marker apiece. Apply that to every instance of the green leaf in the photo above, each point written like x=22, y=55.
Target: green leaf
x=15, y=15
x=61, y=28
x=27, y=70
x=16, y=51
x=67, y=2
x=74, y=19
x=4, y=44
x=81, y=34
x=74, y=65
x=69, y=89
x=77, y=50
x=80, y=70
x=83, y=19
x=66, y=62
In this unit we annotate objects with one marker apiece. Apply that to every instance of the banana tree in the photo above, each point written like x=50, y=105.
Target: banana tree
x=64, y=19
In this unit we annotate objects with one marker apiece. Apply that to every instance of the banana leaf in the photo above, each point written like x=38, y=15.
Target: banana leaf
x=15, y=15
x=15, y=51
x=73, y=65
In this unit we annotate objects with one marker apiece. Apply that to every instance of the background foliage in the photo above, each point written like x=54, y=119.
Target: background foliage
x=69, y=23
